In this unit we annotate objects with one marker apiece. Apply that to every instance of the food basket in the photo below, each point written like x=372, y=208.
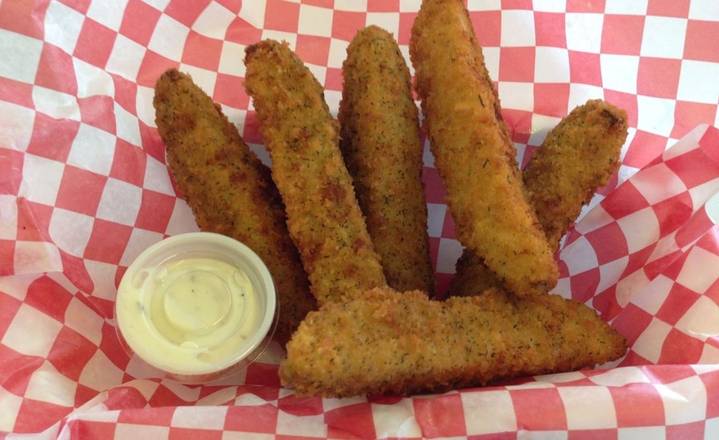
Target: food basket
x=84, y=189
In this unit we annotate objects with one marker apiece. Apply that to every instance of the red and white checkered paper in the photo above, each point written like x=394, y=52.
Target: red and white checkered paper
x=84, y=188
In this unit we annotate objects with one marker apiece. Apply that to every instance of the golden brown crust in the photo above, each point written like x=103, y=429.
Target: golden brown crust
x=472, y=276
x=387, y=342
x=323, y=215
x=382, y=149
x=473, y=152
x=578, y=156
x=229, y=190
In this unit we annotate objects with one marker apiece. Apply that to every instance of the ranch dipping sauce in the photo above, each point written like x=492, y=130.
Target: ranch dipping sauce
x=192, y=308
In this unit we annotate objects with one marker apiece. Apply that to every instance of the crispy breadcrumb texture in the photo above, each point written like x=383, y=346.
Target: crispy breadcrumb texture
x=323, y=216
x=577, y=157
x=473, y=152
x=472, y=276
x=382, y=148
x=229, y=190
x=401, y=343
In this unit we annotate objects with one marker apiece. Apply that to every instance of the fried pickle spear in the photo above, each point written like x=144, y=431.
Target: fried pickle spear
x=389, y=342
x=323, y=216
x=382, y=149
x=473, y=152
x=229, y=190
x=578, y=156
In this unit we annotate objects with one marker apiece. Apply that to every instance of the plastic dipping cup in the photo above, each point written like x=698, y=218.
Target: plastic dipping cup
x=196, y=306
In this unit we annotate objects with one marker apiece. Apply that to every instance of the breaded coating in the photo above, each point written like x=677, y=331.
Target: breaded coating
x=382, y=149
x=473, y=152
x=323, y=216
x=229, y=190
x=577, y=157
x=387, y=342
x=472, y=276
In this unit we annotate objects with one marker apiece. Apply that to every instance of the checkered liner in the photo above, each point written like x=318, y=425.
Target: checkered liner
x=84, y=189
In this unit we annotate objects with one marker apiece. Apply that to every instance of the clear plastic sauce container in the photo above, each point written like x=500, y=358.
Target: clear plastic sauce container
x=196, y=306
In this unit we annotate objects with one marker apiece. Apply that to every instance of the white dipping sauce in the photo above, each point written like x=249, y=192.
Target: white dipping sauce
x=189, y=316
